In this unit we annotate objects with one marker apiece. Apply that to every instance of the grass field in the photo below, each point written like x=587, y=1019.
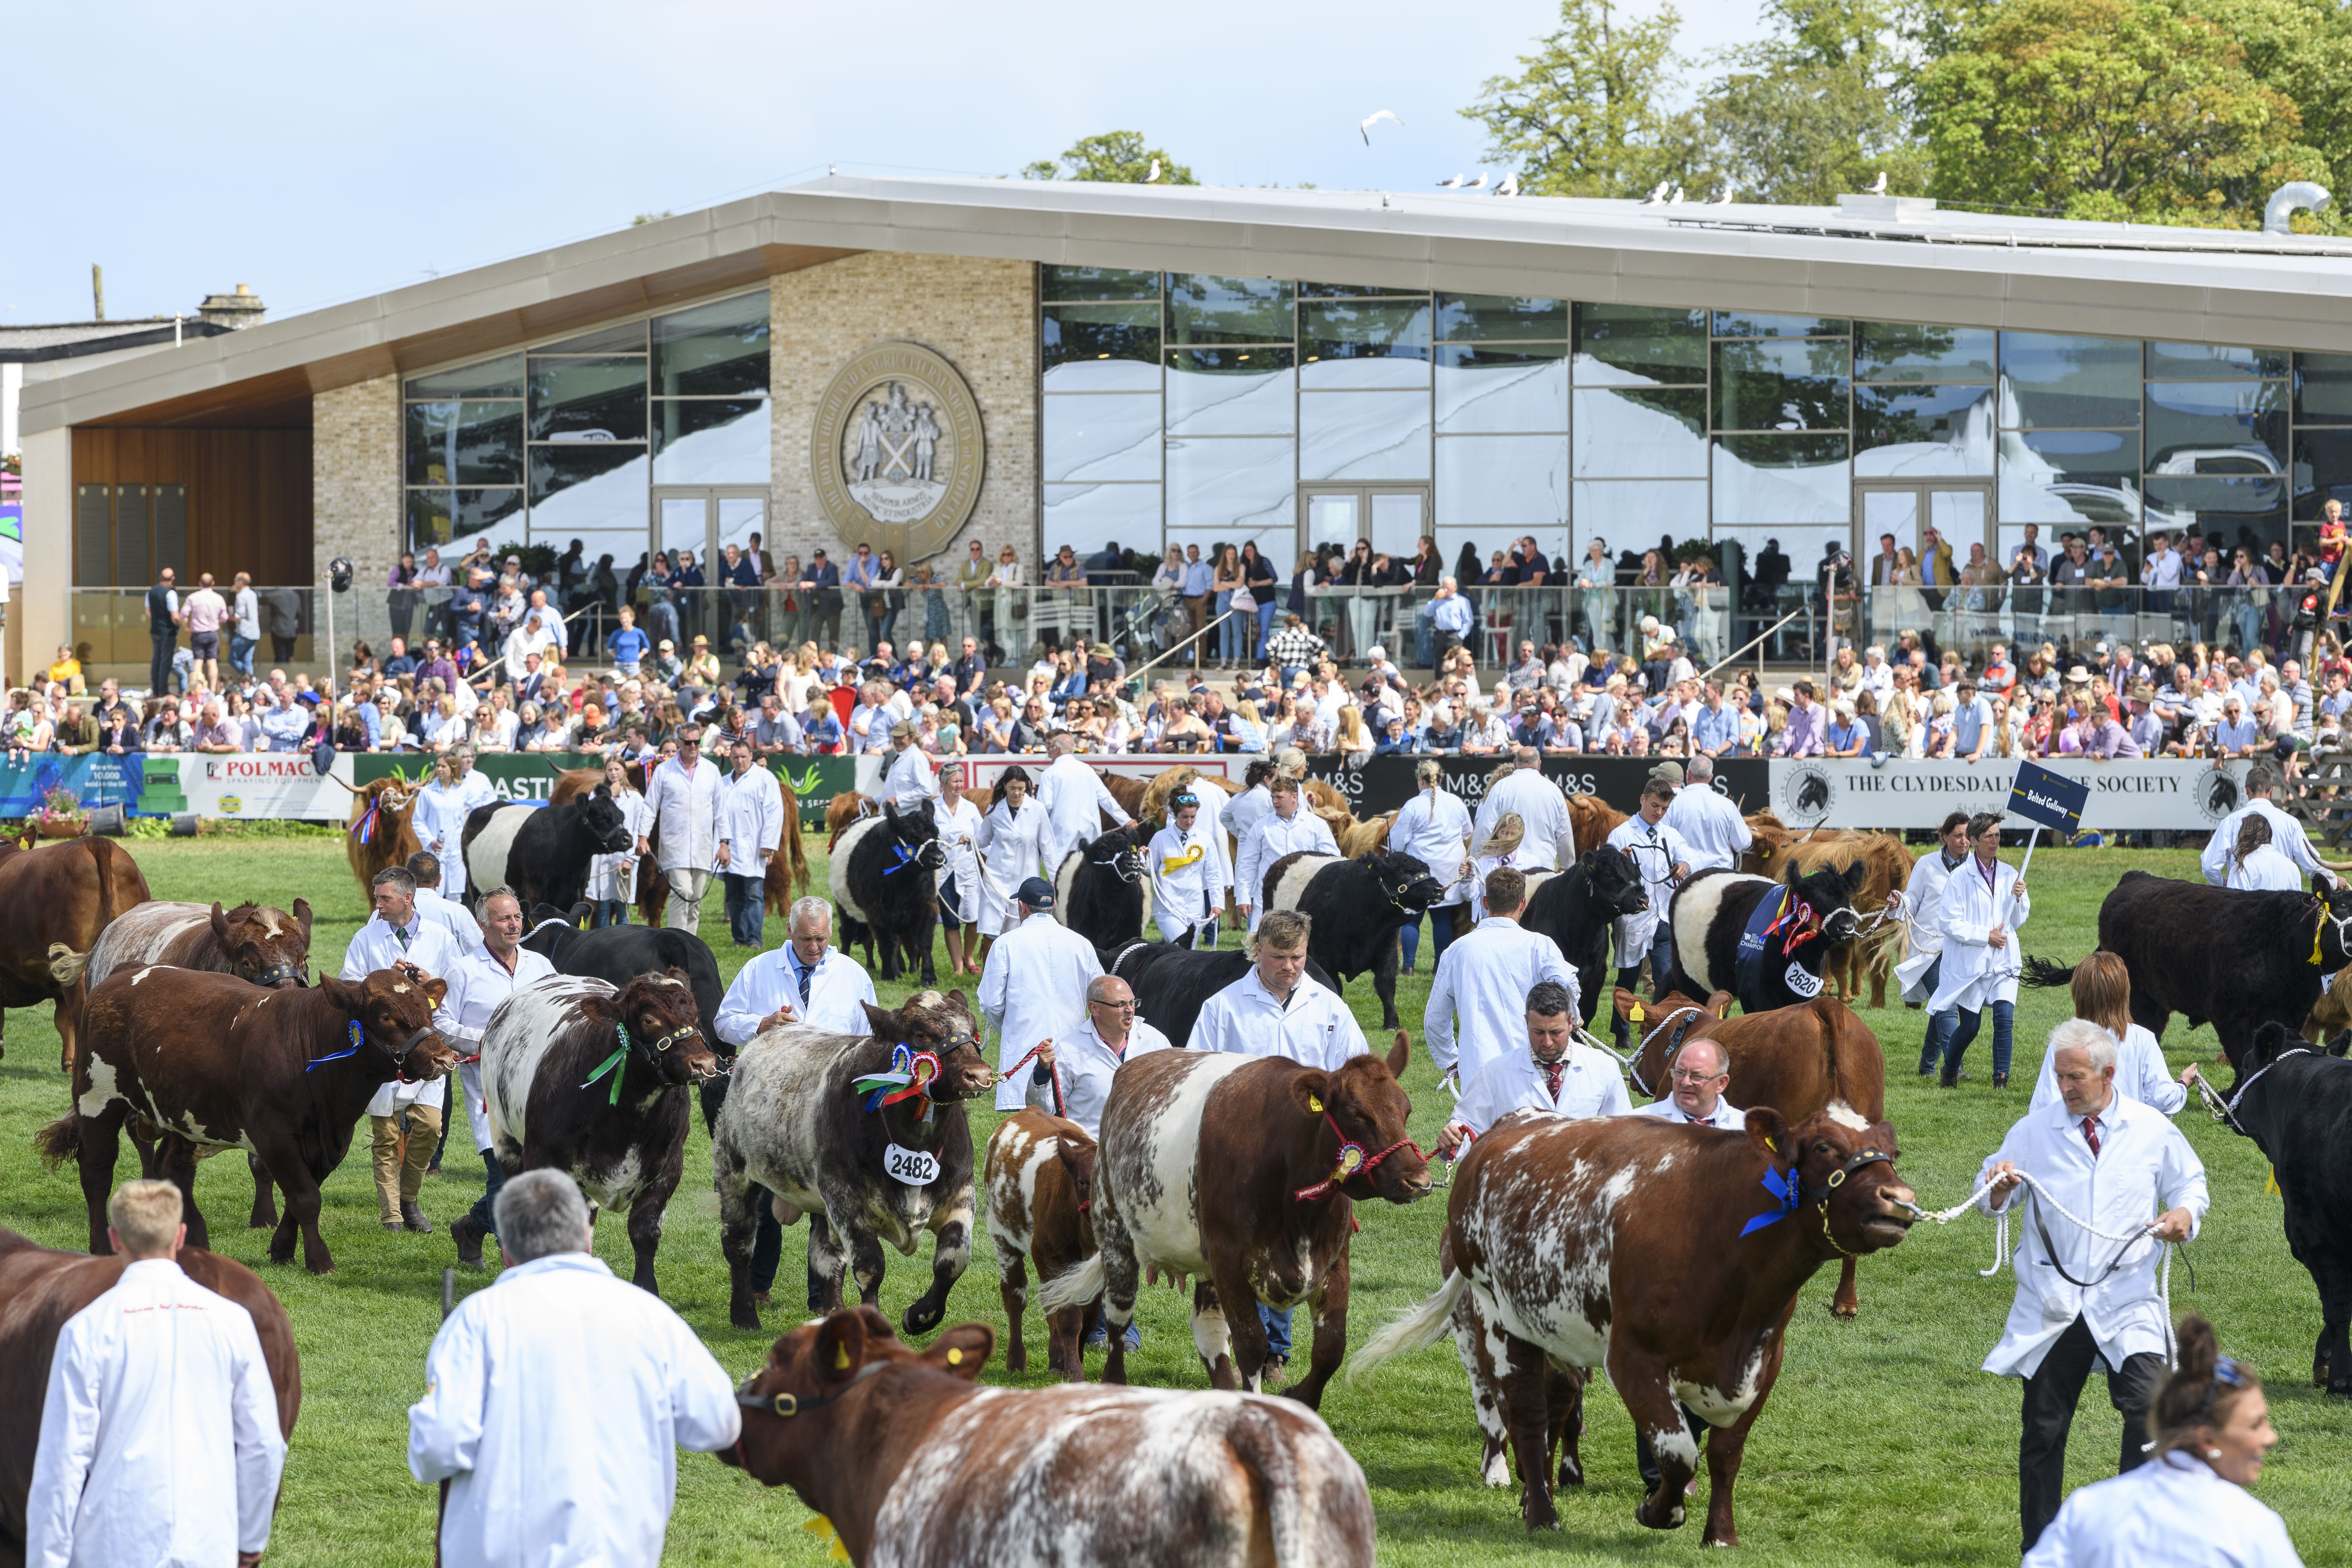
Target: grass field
x=1882, y=1443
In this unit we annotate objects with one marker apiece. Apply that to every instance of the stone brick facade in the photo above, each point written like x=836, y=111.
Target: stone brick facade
x=355, y=490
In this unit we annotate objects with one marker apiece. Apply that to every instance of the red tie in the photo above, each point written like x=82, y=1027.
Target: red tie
x=1551, y=1080
x=2091, y=1134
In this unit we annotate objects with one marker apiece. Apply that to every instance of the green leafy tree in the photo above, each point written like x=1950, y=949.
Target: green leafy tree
x=1118, y=157
x=1817, y=110
x=1588, y=113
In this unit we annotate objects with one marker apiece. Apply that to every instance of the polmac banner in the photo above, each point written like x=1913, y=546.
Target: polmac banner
x=2127, y=793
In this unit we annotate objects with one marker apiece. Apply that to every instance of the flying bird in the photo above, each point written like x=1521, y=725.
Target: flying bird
x=1479, y=183
x=1511, y=185
x=1453, y=184
x=1878, y=187
x=1364, y=126
x=1152, y=178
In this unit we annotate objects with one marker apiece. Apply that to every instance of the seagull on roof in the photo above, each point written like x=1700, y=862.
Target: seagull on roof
x=1511, y=185
x=1878, y=186
x=1453, y=184
x=1152, y=178
x=1677, y=199
x=1657, y=194
x=1477, y=184
x=1364, y=126
x=1722, y=196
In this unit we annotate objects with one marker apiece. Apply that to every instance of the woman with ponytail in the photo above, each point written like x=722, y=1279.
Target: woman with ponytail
x=2189, y=1506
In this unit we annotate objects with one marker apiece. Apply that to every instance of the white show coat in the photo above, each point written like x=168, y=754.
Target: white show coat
x=432, y=949
x=1539, y=805
x=2172, y=1513
x=1083, y=1063
x=1726, y=1115
x=768, y=981
x=1242, y=812
x=1434, y=827
x=1317, y=1029
x=751, y=821
x=463, y=928
x=1269, y=840
x=1717, y=835
x=2143, y=1167
x=1590, y=1084
x=1073, y=795
x=159, y=1441
x=1012, y=849
x=477, y=984
x=912, y=779
x=1188, y=878
x=1033, y=988
x=2264, y=870
x=614, y=875
x=548, y=1466
x=1976, y=974
x=959, y=830
x=2286, y=836
x=684, y=806
x=2140, y=1075
x=438, y=820
x=1483, y=980
x=1656, y=851
x=1922, y=907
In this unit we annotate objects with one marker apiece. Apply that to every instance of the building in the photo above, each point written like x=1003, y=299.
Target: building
x=919, y=364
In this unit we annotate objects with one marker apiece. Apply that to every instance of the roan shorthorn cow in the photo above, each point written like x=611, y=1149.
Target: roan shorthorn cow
x=1359, y=907
x=1040, y=1179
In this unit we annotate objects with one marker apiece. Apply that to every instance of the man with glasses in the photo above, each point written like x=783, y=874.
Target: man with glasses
x=1697, y=1077
x=1073, y=1076
x=682, y=801
x=493, y=967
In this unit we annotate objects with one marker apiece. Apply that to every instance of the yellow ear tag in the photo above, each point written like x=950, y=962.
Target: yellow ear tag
x=955, y=1356
x=821, y=1525
x=841, y=1358
x=1313, y=1103
x=1775, y=1148
x=1635, y=1016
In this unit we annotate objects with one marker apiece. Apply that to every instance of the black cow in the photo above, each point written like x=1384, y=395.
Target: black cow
x=1357, y=907
x=1578, y=908
x=1172, y=984
x=2236, y=958
x=2295, y=1103
x=542, y=851
x=1711, y=910
x=1098, y=887
x=618, y=954
x=590, y=1079
x=884, y=878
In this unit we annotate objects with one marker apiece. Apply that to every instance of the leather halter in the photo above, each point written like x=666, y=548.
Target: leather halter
x=279, y=973
x=787, y=1406
x=1838, y=1179
x=1690, y=1014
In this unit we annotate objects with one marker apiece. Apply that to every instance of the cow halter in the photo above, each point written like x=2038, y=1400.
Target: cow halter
x=1351, y=1161
x=653, y=1051
x=359, y=1038
x=1792, y=1192
x=1690, y=1013
x=787, y=1406
x=277, y=973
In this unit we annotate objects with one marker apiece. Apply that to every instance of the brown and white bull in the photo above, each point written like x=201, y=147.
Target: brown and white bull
x=1040, y=1178
x=592, y=1079
x=916, y=1467
x=1244, y=1172
x=1669, y=1254
x=212, y=1060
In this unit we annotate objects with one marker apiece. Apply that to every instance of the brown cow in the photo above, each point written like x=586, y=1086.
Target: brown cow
x=1767, y=840
x=40, y=1289
x=842, y=811
x=380, y=831
x=1673, y=1256
x=2332, y=1012
x=1040, y=1178
x=1235, y=1170
x=1590, y=820
x=60, y=893
x=213, y=1060
x=914, y=1467
x=1816, y=1056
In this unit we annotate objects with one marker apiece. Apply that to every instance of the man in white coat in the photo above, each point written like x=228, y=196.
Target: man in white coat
x=913, y=779
x=2122, y=1169
x=1665, y=863
x=1189, y=876
x=1697, y=1075
x=1242, y=812
x=492, y=969
x=438, y=819
x=1550, y=841
x=1288, y=829
x=1478, y=998
x=555, y=1401
x=1072, y=1077
x=1717, y=835
x=804, y=981
x=158, y=1440
x=750, y=826
x=2286, y=834
x=1553, y=1073
x=1921, y=906
x=1984, y=903
x=397, y=935
x=464, y=929
x=682, y=804
x=1034, y=986
x=1075, y=801
x=1434, y=827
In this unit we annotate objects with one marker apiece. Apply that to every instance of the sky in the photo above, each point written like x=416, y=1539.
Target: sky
x=325, y=153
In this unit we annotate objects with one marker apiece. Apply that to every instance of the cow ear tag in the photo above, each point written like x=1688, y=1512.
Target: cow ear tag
x=955, y=1356
x=1636, y=1016
x=841, y=1358
x=1771, y=1146
x=1315, y=1104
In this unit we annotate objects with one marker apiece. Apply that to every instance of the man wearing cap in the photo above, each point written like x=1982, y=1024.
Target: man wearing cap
x=682, y=801
x=1479, y=994
x=1186, y=861
x=1972, y=726
x=1714, y=833
x=1072, y=794
x=1550, y=837
x=1032, y=986
x=913, y=780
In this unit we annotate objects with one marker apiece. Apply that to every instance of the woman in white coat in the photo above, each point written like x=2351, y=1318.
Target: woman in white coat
x=1984, y=903
x=1011, y=842
x=2257, y=864
x=958, y=821
x=1920, y=907
x=613, y=879
x=2102, y=990
x=1434, y=827
x=1500, y=850
x=440, y=813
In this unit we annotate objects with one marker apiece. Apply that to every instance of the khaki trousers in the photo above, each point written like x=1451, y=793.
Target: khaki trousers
x=685, y=891
x=398, y=1179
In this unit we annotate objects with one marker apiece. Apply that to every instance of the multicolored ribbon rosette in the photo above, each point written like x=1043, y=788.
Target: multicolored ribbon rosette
x=911, y=1073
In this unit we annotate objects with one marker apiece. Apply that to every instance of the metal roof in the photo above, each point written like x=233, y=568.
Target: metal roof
x=71, y=340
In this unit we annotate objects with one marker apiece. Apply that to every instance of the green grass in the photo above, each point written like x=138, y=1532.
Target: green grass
x=1881, y=1442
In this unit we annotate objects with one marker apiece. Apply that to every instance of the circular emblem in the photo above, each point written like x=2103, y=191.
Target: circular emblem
x=1350, y=1157
x=897, y=451
x=1806, y=793
x=2220, y=791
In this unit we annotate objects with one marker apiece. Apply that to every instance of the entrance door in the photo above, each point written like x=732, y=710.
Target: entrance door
x=1393, y=517
x=1920, y=515
x=696, y=524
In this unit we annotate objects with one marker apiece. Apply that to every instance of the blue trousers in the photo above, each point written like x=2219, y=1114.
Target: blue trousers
x=1950, y=1031
x=485, y=1210
x=1441, y=935
x=610, y=912
x=746, y=908
x=1278, y=1329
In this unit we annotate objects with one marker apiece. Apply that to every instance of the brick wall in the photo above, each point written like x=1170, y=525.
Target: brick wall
x=355, y=490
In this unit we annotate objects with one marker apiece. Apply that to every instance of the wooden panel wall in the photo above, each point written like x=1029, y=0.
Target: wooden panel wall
x=248, y=492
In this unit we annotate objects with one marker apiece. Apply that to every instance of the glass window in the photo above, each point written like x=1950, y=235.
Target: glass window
x=712, y=441
x=1100, y=438
x=1098, y=283
x=1363, y=434
x=2222, y=505
x=1504, y=486
x=1640, y=434
x=588, y=400
x=492, y=378
x=2323, y=389
x=1639, y=345
x=2323, y=470
x=1236, y=489
x=438, y=517
x=465, y=442
x=1208, y=309
x=1364, y=344
x=1072, y=334
x=1787, y=384
x=1498, y=389
x=1232, y=392
x=2048, y=382
x=1748, y=324
x=629, y=336
x=2217, y=427
x=1089, y=518
x=1923, y=431
x=1500, y=318
x=2209, y=362
x=2065, y=479
x=713, y=351
x=1630, y=510
x=1346, y=292
x=1793, y=557
x=1782, y=478
x=1890, y=351
x=586, y=487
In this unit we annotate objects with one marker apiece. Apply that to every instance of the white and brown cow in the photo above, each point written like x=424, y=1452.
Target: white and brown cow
x=1231, y=1169
x=1671, y=1255
x=916, y=1467
x=1041, y=1181
x=592, y=1079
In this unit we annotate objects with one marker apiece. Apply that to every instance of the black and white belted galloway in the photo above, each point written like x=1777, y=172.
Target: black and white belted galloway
x=869, y=1136
x=884, y=879
x=1359, y=907
x=1098, y=887
x=1765, y=941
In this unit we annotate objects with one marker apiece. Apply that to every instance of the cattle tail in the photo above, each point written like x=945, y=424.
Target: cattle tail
x=1426, y=1324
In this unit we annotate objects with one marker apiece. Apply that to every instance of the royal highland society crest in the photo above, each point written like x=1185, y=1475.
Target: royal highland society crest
x=898, y=450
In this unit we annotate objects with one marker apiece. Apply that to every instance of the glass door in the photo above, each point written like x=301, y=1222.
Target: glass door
x=712, y=595
x=1392, y=517
x=1921, y=547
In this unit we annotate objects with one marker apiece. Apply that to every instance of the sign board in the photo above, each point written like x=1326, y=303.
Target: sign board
x=2050, y=800
x=2157, y=794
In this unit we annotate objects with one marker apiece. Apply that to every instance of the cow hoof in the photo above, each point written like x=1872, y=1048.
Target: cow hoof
x=1669, y=1518
x=1844, y=1312
x=918, y=1322
x=1571, y=1474
x=1017, y=1359
x=743, y=1318
x=1539, y=1515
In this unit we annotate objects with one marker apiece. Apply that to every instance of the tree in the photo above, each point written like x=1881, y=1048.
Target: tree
x=1587, y=114
x=1118, y=157
x=1816, y=110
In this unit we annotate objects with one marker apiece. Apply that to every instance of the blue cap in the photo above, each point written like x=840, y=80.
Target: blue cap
x=1038, y=893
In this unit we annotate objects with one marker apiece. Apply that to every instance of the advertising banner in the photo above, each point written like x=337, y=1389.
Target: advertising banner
x=531, y=775
x=2125, y=794
x=259, y=785
x=94, y=781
